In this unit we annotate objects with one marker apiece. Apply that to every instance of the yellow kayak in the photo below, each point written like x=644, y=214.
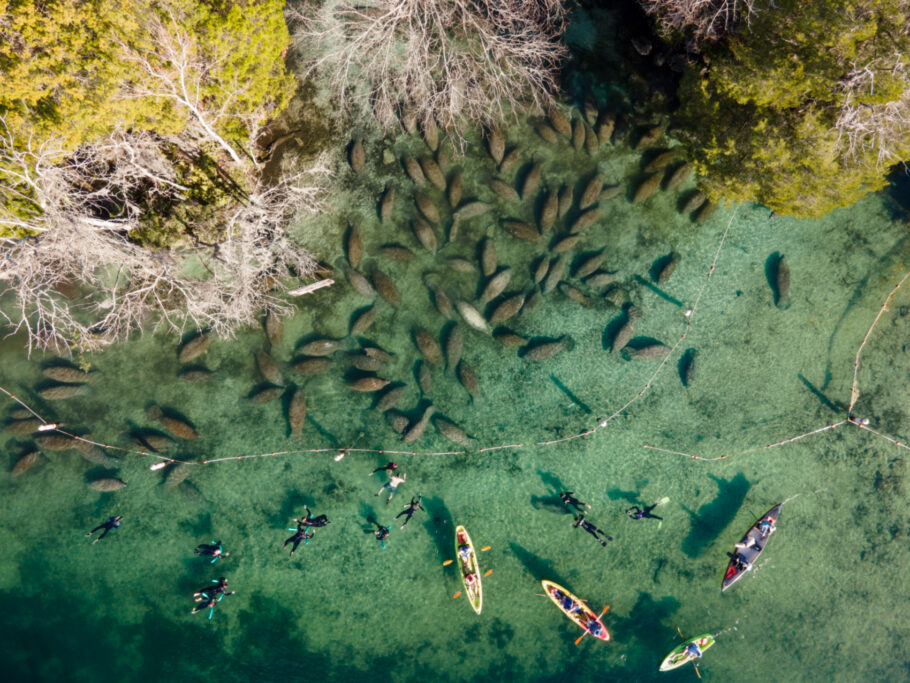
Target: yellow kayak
x=470, y=568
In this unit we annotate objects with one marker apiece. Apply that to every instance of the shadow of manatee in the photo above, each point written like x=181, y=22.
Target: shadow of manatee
x=712, y=518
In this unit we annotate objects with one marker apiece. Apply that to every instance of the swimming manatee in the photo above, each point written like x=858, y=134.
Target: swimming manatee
x=312, y=366
x=265, y=394
x=782, y=284
x=174, y=425
x=320, y=347
x=433, y=173
x=546, y=350
x=68, y=374
x=194, y=348
x=468, y=379
x=356, y=156
x=107, y=485
x=58, y=392
x=296, y=412
x=416, y=430
x=452, y=432
x=386, y=288
x=368, y=384
x=496, y=144
x=496, y=285
x=268, y=368
x=25, y=463
x=472, y=317
x=428, y=346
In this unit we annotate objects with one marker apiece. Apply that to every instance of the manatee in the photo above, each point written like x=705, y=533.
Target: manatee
x=424, y=378
x=591, y=193
x=610, y=192
x=488, y=260
x=782, y=284
x=504, y=190
x=363, y=321
x=455, y=189
x=589, y=110
x=566, y=197
x=661, y=161
x=520, y=230
x=508, y=308
x=391, y=397
x=554, y=275
x=374, y=352
x=426, y=207
x=667, y=267
x=425, y=234
x=416, y=430
x=507, y=337
x=578, y=135
x=589, y=263
x=107, y=485
x=468, y=379
x=573, y=294
x=428, y=346
x=354, y=247
x=433, y=173
x=454, y=345
x=496, y=285
x=368, y=384
x=274, y=327
x=604, y=127
x=97, y=456
x=386, y=288
x=296, y=412
x=361, y=361
x=25, y=463
x=396, y=252
x=265, y=394
x=531, y=300
x=20, y=414
x=545, y=131
x=649, y=351
x=443, y=156
x=194, y=348
x=57, y=392
x=470, y=210
x=26, y=426
x=678, y=176
x=546, y=350
x=599, y=278
x=174, y=425
x=512, y=157
x=585, y=220
x=387, y=205
x=615, y=295
x=452, y=432
x=496, y=144
x=704, y=212
x=472, y=317
x=648, y=136
x=565, y=243
x=559, y=122
x=320, y=347
x=155, y=442
x=531, y=180
x=268, y=367
x=694, y=202
x=440, y=299
x=430, y=132
x=549, y=210
x=177, y=474
x=360, y=284
x=624, y=334
x=356, y=156
x=646, y=188
x=55, y=442
x=591, y=141
x=312, y=366
x=407, y=117
x=68, y=374
x=412, y=168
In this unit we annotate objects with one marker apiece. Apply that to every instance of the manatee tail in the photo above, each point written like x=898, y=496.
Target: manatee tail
x=154, y=413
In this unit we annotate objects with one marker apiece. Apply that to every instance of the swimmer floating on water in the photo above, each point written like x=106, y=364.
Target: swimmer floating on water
x=215, y=550
x=580, y=521
x=410, y=509
x=638, y=513
x=208, y=597
x=388, y=467
x=109, y=524
x=392, y=485
x=381, y=532
x=300, y=535
x=568, y=498
x=309, y=520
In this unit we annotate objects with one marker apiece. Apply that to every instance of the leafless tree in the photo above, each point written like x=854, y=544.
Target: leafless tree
x=701, y=20
x=448, y=60
x=70, y=220
x=882, y=128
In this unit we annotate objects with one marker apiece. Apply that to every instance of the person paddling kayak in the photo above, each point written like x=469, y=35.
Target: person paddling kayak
x=580, y=521
x=410, y=509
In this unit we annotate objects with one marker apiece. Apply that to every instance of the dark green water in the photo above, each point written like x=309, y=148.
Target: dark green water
x=825, y=602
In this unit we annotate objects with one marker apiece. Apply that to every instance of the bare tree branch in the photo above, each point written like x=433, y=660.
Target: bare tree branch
x=703, y=20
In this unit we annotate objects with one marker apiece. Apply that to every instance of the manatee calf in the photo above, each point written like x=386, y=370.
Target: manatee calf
x=782, y=284
x=263, y=395
x=174, y=425
x=107, y=485
x=194, y=348
x=547, y=350
x=368, y=384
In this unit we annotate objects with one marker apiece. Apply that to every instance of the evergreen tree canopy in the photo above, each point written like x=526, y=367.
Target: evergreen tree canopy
x=802, y=108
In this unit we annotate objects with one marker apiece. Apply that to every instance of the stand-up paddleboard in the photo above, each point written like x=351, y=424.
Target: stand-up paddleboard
x=755, y=542
x=576, y=610
x=679, y=656
x=469, y=568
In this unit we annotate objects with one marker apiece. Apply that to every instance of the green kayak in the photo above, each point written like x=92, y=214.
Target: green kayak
x=679, y=656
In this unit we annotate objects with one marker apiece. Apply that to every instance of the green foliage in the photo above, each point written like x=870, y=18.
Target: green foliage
x=761, y=119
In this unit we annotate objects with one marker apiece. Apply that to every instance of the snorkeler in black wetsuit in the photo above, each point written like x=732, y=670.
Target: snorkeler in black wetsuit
x=215, y=550
x=568, y=498
x=388, y=467
x=637, y=513
x=300, y=535
x=108, y=524
x=309, y=520
x=209, y=597
x=410, y=509
x=381, y=533
x=580, y=521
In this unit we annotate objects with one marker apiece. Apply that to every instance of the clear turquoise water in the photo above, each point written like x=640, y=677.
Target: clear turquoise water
x=824, y=604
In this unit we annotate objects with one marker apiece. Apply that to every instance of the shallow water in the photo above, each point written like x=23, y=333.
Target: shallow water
x=820, y=605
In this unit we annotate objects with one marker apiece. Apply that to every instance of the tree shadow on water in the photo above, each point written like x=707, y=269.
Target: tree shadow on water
x=712, y=518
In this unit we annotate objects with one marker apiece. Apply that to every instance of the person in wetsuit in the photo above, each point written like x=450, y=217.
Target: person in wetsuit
x=389, y=467
x=309, y=520
x=580, y=521
x=108, y=524
x=410, y=509
x=210, y=596
x=381, y=532
x=637, y=513
x=300, y=534
x=568, y=498
x=215, y=550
